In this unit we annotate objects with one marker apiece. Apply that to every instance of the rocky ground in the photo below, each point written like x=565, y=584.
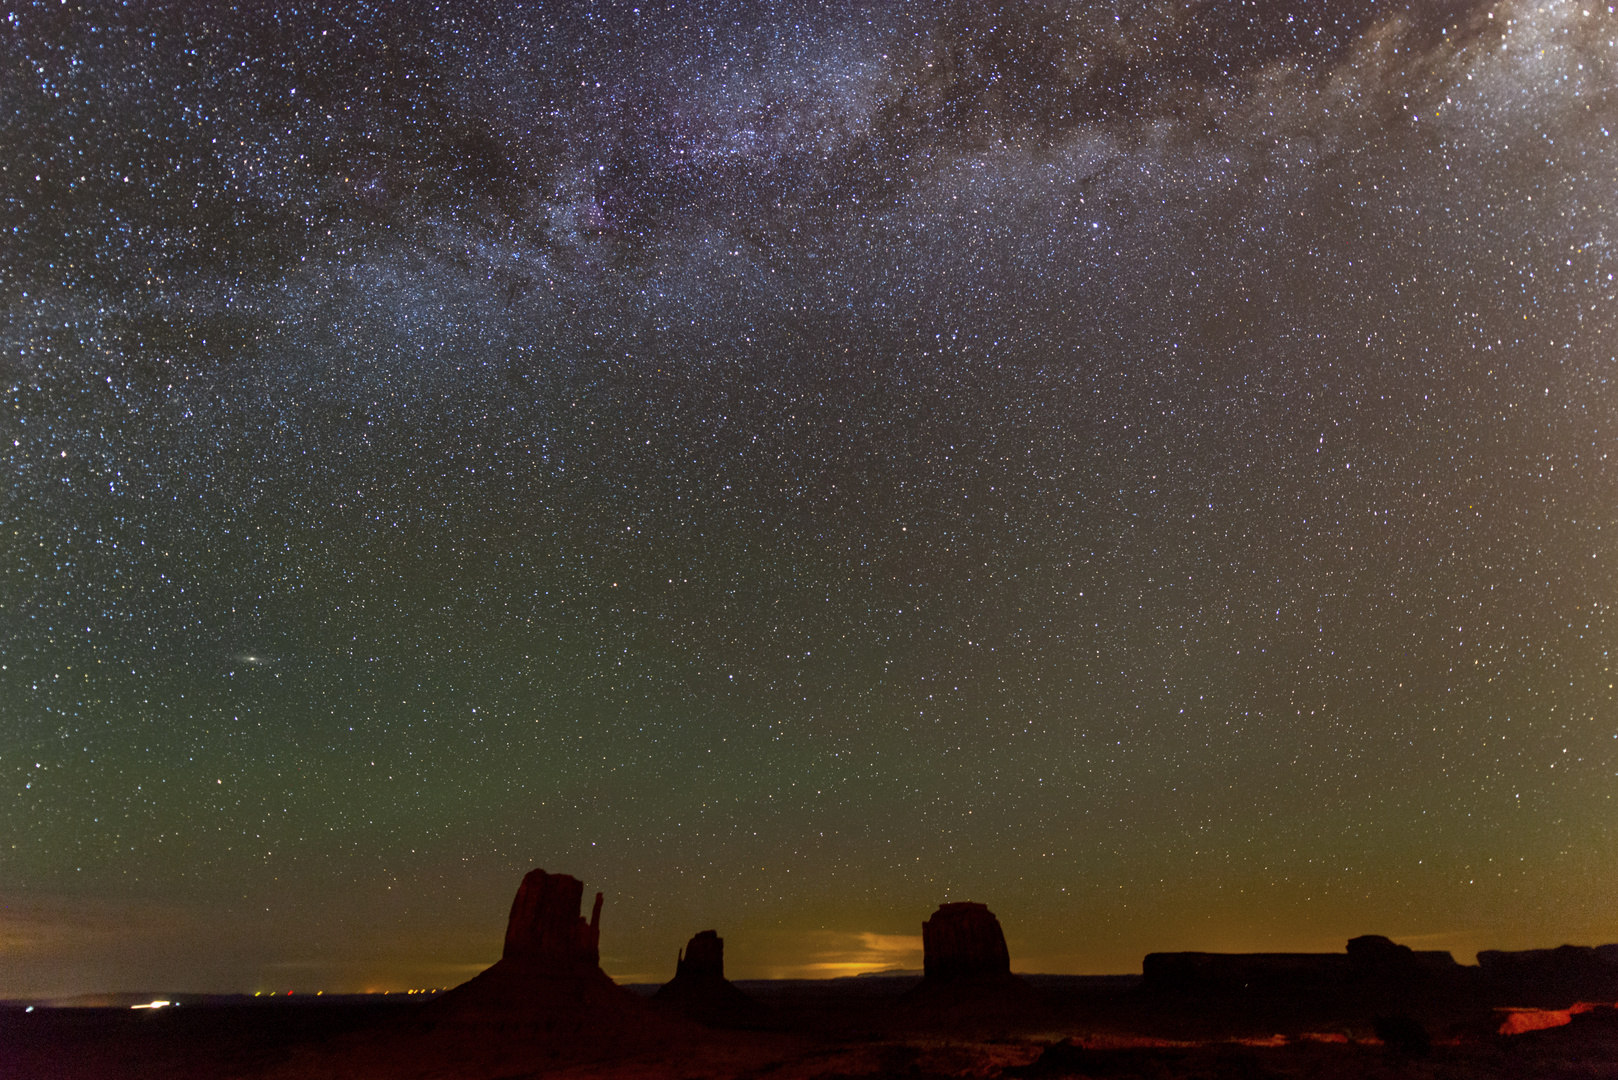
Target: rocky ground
x=850, y=1028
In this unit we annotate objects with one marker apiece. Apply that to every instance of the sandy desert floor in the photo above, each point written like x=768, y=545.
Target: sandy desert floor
x=845, y=1029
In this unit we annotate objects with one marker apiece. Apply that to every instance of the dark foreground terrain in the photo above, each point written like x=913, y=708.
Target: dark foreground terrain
x=866, y=1027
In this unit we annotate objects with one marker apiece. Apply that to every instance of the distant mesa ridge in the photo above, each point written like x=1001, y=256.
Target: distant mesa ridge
x=1372, y=964
x=1602, y=959
x=1369, y=957
x=1579, y=970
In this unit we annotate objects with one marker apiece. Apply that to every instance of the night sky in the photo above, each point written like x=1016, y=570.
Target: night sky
x=1142, y=465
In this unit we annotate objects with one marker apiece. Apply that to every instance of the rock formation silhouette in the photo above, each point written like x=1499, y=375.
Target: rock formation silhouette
x=1372, y=956
x=1568, y=971
x=1370, y=962
x=963, y=941
x=544, y=1005
x=549, y=971
x=1376, y=956
x=702, y=959
x=699, y=989
x=545, y=927
x=967, y=969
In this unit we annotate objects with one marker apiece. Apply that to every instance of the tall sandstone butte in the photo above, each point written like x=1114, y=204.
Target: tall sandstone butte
x=545, y=927
x=703, y=957
x=968, y=984
x=964, y=941
x=700, y=990
x=550, y=970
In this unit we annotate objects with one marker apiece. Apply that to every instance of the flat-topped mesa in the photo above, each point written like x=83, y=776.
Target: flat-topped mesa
x=1571, y=970
x=545, y=926
x=1370, y=961
x=963, y=941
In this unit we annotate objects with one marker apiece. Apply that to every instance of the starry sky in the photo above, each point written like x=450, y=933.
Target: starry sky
x=1142, y=465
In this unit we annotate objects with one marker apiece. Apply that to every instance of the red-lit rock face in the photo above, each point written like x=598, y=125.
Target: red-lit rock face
x=961, y=941
x=545, y=926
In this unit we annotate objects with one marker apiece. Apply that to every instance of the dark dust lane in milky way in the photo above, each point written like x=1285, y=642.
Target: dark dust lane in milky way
x=1139, y=465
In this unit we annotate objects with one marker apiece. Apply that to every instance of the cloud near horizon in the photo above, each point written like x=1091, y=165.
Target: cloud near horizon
x=831, y=954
